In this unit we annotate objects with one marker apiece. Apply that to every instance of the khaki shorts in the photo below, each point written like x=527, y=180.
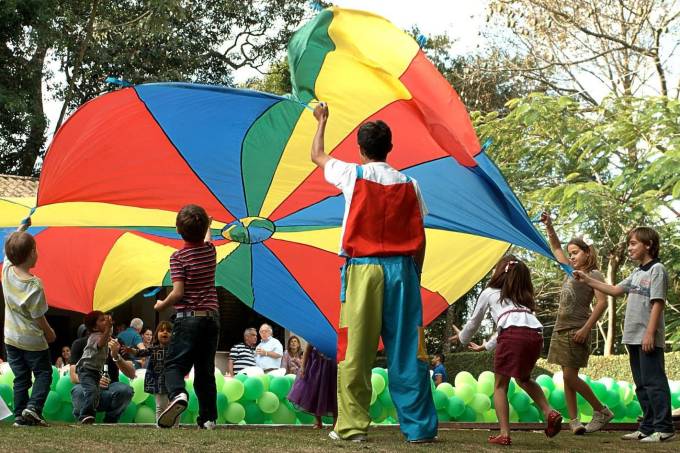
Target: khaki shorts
x=564, y=351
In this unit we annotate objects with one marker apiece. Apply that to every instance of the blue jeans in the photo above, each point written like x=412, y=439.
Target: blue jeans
x=22, y=364
x=651, y=387
x=89, y=384
x=113, y=400
x=194, y=343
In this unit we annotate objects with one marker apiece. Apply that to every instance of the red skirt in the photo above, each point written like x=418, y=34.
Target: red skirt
x=517, y=351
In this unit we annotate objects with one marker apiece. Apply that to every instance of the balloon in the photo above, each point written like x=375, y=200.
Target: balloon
x=253, y=389
x=485, y=387
x=613, y=399
x=233, y=389
x=558, y=379
x=557, y=399
x=468, y=415
x=280, y=386
x=234, y=413
x=447, y=389
x=52, y=403
x=520, y=401
x=620, y=411
x=128, y=415
x=193, y=401
x=545, y=381
x=440, y=400
x=188, y=417
x=465, y=392
x=254, y=416
x=463, y=378
x=381, y=371
x=55, y=378
x=304, y=417
x=443, y=416
x=633, y=410
x=375, y=411
x=268, y=402
x=241, y=377
x=586, y=409
x=599, y=390
x=66, y=413
x=283, y=415
x=480, y=403
x=608, y=382
x=150, y=401
x=514, y=416
x=377, y=383
x=7, y=394
x=625, y=393
x=455, y=407
x=385, y=398
x=490, y=416
x=219, y=379
x=530, y=415
x=124, y=379
x=291, y=378
x=486, y=376
x=266, y=379
x=139, y=395
x=64, y=387
x=145, y=415
x=512, y=386
x=7, y=376
x=222, y=402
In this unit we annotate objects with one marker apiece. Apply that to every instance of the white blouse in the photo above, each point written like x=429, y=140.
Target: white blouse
x=504, y=314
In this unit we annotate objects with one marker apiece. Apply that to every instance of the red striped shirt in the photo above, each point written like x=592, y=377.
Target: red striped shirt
x=195, y=266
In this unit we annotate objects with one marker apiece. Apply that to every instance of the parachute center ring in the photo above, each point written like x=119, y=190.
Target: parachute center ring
x=249, y=230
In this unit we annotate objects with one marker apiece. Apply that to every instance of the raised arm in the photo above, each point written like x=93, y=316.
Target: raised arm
x=597, y=285
x=555, y=244
x=208, y=233
x=319, y=156
x=175, y=296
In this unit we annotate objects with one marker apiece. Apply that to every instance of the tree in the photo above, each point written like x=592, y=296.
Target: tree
x=625, y=45
x=608, y=168
x=139, y=41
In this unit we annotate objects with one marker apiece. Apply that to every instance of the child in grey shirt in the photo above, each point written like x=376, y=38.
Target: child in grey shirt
x=91, y=364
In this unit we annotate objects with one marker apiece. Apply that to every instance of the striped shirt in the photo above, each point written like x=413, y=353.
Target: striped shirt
x=242, y=356
x=195, y=266
x=24, y=304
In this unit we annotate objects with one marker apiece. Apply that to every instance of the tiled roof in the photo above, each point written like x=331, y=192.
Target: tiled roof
x=18, y=186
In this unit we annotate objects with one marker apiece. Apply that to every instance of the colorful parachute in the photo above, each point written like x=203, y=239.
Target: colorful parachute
x=124, y=163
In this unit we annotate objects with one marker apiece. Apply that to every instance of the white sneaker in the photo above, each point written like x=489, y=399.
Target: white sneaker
x=209, y=425
x=637, y=435
x=577, y=427
x=354, y=438
x=600, y=420
x=658, y=437
x=169, y=416
x=31, y=415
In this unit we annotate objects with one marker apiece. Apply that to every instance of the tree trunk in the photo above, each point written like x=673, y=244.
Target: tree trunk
x=38, y=122
x=612, y=270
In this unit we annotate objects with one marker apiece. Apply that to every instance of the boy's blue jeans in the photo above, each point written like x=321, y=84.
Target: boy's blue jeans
x=89, y=383
x=22, y=364
x=113, y=400
x=651, y=387
x=194, y=343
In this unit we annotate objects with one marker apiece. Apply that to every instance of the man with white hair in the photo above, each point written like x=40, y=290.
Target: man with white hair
x=131, y=338
x=270, y=350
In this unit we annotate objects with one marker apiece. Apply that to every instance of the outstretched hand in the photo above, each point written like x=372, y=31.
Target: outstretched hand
x=321, y=112
x=545, y=218
x=477, y=347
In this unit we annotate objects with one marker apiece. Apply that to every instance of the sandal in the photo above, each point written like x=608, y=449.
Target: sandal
x=554, y=424
x=500, y=440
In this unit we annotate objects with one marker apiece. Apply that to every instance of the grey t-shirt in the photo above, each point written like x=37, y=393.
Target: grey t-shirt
x=575, y=300
x=93, y=357
x=646, y=283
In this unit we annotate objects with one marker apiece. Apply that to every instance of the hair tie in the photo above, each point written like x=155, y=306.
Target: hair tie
x=509, y=263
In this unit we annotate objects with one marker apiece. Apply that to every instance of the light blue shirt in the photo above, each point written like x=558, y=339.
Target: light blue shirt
x=271, y=345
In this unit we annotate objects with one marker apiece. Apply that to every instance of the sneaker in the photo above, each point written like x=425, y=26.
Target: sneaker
x=86, y=420
x=637, y=435
x=600, y=420
x=209, y=425
x=658, y=437
x=175, y=408
x=554, y=424
x=353, y=438
x=500, y=440
x=427, y=440
x=577, y=428
x=20, y=422
x=31, y=415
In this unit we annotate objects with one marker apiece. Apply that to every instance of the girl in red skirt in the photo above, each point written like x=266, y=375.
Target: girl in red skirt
x=509, y=297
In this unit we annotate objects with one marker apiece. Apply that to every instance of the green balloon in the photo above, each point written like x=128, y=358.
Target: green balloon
x=188, y=417
x=219, y=379
x=124, y=379
x=455, y=407
x=266, y=379
x=268, y=402
x=441, y=401
x=139, y=395
x=465, y=378
x=514, y=416
x=490, y=416
x=530, y=415
x=64, y=387
x=193, y=401
x=7, y=394
x=511, y=388
x=291, y=378
x=145, y=415
x=626, y=393
x=485, y=376
x=254, y=416
x=447, y=389
x=485, y=387
x=468, y=415
x=150, y=402
x=7, y=377
x=304, y=417
x=599, y=390
x=222, y=403
x=280, y=386
x=233, y=389
x=375, y=411
x=620, y=411
x=55, y=378
x=586, y=409
x=385, y=398
x=557, y=399
x=253, y=389
x=443, y=416
x=520, y=401
x=66, y=413
x=381, y=371
x=377, y=383
x=283, y=415
x=52, y=403
x=465, y=392
x=480, y=403
x=613, y=399
x=241, y=377
x=545, y=381
x=128, y=415
x=633, y=410
x=189, y=385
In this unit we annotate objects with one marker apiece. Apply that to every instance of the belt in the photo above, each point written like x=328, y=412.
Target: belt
x=270, y=369
x=196, y=313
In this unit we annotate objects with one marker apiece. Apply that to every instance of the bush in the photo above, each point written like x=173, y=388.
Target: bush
x=616, y=366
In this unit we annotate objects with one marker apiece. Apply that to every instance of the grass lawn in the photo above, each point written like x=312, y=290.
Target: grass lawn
x=73, y=438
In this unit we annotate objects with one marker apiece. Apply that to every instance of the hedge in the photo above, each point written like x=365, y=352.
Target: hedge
x=615, y=366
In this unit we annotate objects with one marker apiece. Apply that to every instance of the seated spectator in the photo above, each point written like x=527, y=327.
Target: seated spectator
x=270, y=350
x=242, y=355
x=438, y=370
x=63, y=359
x=114, y=396
x=292, y=358
x=147, y=337
x=131, y=338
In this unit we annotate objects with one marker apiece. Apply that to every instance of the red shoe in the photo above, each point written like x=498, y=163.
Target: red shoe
x=554, y=424
x=500, y=440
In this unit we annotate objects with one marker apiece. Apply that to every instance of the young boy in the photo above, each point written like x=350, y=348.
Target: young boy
x=438, y=369
x=383, y=241
x=27, y=331
x=196, y=325
x=643, y=333
x=91, y=364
